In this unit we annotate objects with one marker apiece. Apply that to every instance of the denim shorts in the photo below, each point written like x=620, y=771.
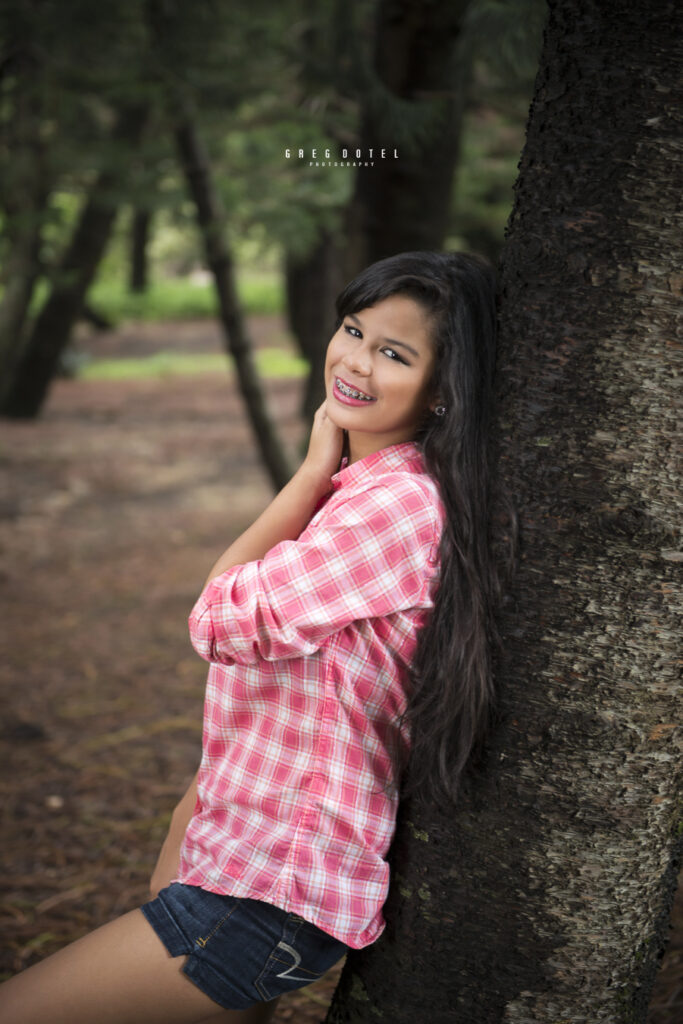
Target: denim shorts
x=240, y=951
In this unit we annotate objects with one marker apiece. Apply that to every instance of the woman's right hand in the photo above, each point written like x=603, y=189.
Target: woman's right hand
x=325, y=445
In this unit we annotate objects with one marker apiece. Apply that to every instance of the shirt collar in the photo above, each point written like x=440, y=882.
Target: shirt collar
x=404, y=456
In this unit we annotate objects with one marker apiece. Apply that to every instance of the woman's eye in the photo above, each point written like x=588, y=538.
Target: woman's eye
x=353, y=331
x=393, y=354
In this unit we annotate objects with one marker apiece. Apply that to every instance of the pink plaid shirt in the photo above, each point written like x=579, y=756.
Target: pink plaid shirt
x=309, y=649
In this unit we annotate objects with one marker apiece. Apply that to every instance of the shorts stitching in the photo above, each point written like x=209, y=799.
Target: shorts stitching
x=183, y=944
x=285, y=963
x=203, y=942
x=261, y=982
x=210, y=981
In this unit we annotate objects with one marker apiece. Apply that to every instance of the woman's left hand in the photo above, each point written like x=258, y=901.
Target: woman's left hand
x=325, y=445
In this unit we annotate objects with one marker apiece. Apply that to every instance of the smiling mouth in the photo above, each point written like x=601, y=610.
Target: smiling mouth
x=350, y=392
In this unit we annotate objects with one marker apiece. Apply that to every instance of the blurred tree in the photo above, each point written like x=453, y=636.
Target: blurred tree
x=62, y=92
x=314, y=274
x=545, y=895
x=171, y=32
x=24, y=192
x=413, y=103
x=502, y=39
x=211, y=218
x=39, y=359
x=313, y=283
x=209, y=52
x=139, y=237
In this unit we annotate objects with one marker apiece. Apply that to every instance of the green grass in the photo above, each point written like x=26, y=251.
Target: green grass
x=271, y=362
x=180, y=298
x=174, y=299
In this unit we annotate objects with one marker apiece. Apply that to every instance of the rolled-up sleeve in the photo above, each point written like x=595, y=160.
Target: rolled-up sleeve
x=371, y=555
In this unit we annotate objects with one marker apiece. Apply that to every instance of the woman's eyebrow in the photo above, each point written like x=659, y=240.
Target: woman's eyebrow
x=403, y=344
x=389, y=341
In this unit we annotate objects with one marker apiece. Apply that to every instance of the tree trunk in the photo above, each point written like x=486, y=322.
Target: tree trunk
x=210, y=217
x=52, y=329
x=23, y=197
x=312, y=287
x=139, y=237
x=21, y=273
x=403, y=204
x=545, y=895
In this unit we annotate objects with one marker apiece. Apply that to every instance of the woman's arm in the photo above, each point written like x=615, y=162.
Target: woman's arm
x=284, y=519
x=291, y=509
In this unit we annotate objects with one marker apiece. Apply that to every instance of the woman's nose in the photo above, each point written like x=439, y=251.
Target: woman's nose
x=358, y=360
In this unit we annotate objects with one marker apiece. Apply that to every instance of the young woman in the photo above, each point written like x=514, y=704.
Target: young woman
x=351, y=620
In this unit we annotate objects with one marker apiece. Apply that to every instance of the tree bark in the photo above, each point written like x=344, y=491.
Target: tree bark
x=211, y=218
x=545, y=895
x=403, y=204
x=51, y=331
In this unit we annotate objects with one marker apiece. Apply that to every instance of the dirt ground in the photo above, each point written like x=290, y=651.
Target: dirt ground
x=113, y=506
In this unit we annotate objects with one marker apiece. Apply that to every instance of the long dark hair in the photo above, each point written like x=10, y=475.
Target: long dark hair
x=452, y=690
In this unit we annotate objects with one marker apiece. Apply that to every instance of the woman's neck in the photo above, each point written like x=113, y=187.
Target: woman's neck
x=359, y=446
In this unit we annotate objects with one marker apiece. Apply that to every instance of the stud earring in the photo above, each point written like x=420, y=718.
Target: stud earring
x=440, y=410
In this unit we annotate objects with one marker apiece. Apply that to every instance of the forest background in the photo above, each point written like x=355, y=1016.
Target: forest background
x=167, y=277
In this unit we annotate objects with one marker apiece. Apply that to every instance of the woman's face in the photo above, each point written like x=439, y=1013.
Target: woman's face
x=377, y=374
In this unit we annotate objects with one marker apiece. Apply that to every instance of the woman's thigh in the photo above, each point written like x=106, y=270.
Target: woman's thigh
x=119, y=974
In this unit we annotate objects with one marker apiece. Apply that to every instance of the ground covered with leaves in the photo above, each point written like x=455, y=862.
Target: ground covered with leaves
x=113, y=506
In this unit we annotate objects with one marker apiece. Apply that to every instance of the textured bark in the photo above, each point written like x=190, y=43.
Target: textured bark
x=211, y=218
x=403, y=204
x=545, y=895
x=51, y=331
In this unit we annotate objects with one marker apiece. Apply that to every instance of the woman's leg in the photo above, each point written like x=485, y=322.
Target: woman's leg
x=119, y=974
